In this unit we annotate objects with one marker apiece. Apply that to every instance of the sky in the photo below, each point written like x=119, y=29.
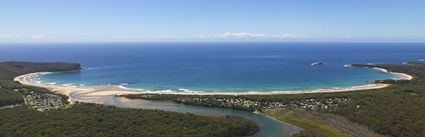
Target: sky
x=212, y=20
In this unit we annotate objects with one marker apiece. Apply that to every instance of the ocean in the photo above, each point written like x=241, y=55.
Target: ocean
x=216, y=67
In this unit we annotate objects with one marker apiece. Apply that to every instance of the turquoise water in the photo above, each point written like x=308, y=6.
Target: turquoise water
x=217, y=67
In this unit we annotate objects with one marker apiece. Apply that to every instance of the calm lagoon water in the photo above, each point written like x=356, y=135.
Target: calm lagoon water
x=268, y=127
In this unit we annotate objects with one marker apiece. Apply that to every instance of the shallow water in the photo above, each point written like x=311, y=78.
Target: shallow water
x=269, y=127
x=217, y=67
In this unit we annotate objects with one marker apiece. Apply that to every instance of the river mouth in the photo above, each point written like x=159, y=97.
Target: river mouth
x=106, y=95
x=268, y=127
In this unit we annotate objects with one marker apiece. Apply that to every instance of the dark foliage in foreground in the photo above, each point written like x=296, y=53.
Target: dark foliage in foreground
x=398, y=110
x=94, y=120
x=305, y=133
x=8, y=97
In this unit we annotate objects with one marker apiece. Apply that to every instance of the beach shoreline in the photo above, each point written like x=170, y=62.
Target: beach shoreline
x=97, y=94
x=81, y=94
x=403, y=76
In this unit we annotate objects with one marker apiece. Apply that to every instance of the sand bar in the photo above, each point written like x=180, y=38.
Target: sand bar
x=403, y=76
x=82, y=94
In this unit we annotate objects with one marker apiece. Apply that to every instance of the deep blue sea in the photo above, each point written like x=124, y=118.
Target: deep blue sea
x=216, y=67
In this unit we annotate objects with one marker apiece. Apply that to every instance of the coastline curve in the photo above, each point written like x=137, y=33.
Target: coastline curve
x=97, y=94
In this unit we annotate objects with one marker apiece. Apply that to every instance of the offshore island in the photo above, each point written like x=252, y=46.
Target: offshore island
x=364, y=111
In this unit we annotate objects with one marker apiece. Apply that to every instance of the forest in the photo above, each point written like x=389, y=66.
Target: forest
x=11, y=91
x=8, y=97
x=397, y=110
x=97, y=120
x=9, y=70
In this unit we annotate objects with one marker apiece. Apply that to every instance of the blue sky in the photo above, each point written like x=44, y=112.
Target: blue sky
x=212, y=20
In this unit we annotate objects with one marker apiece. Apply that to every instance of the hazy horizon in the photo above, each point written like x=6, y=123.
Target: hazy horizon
x=211, y=21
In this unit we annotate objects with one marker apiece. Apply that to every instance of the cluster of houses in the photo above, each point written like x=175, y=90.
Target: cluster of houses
x=329, y=104
x=46, y=101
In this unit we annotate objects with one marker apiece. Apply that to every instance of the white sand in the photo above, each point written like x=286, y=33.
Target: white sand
x=81, y=94
x=97, y=94
x=402, y=75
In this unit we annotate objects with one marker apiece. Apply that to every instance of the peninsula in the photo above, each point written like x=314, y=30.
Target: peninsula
x=56, y=117
x=392, y=110
x=336, y=113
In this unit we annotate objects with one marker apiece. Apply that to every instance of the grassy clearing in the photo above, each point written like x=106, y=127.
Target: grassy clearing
x=314, y=126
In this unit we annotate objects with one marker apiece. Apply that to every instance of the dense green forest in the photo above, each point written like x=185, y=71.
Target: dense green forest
x=398, y=110
x=98, y=120
x=8, y=97
x=9, y=70
x=94, y=120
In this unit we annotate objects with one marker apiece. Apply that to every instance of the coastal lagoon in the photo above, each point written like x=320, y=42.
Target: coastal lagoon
x=217, y=67
x=268, y=127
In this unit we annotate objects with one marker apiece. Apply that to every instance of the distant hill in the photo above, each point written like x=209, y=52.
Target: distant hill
x=9, y=70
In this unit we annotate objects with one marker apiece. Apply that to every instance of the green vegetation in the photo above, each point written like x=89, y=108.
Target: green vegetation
x=8, y=97
x=398, y=110
x=10, y=70
x=311, y=126
x=305, y=133
x=11, y=92
x=95, y=120
x=98, y=120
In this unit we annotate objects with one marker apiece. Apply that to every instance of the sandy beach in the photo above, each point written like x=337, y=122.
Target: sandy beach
x=98, y=94
x=402, y=75
x=80, y=94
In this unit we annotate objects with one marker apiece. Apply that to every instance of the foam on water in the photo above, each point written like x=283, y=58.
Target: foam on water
x=187, y=91
x=36, y=78
x=221, y=67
